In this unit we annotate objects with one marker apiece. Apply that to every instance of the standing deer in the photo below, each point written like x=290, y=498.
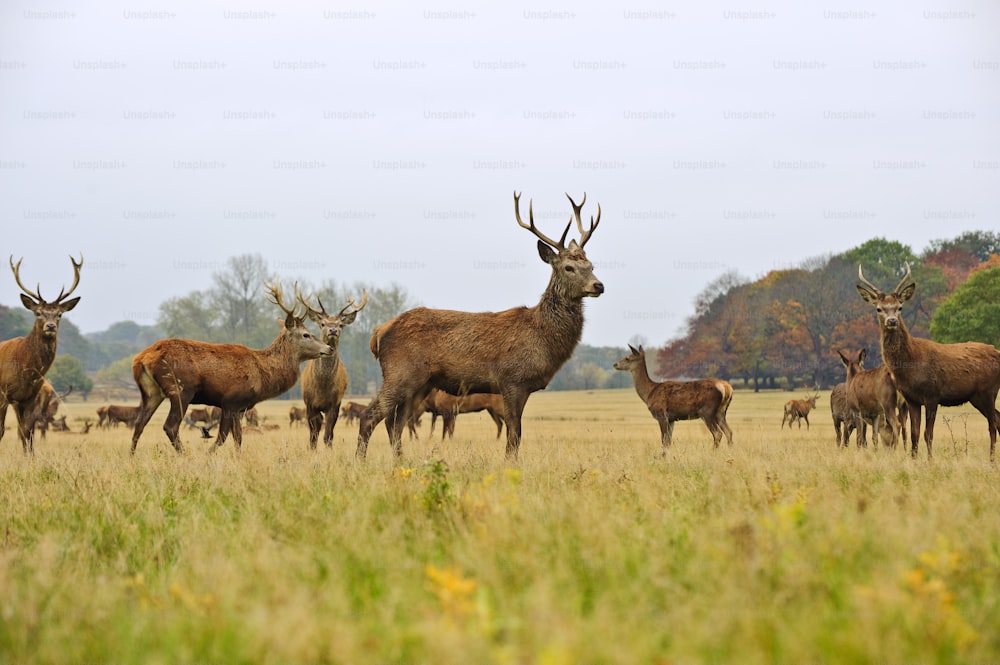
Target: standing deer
x=512, y=353
x=352, y=411
x=324, y=380
x=229, y=376
x=440, y=403
x=670, y=401
x=799, y=408
x=842, y=415
x=931, y=374
x=296, y=415
x=116, y=413
x=871, y=397
x=25, y=360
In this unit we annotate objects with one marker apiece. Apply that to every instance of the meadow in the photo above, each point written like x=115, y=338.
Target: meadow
x=592, y=548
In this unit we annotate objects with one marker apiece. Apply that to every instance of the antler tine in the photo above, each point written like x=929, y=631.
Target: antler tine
x=906, y=277
x=864, y=281
x=76, y=279
x=351, y=305
x=531, y=218
x=17, y=278
x=310, y=310
x=584, y=235
x=274, y=290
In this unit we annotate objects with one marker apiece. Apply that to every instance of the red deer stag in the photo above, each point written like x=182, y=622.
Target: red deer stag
x=232, y=377
x=670, y=401
x=324, y=380
x=512, y=353
x=799, y=408
x=25, y=360
x=931, y=374
x=871, y=397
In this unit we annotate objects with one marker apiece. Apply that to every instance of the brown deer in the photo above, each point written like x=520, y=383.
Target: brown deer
x=448, y=407
x=208, y=416
x=252, y=417
x=296, y=415
x=670, y=401
x=24, y=361
x=512, y=353
x=871, y=397
x=352, y=411
x=230, y=376
x=842, y=414
x=931, y=374
x=116, y=413
x=799, y=408
x=324, y=380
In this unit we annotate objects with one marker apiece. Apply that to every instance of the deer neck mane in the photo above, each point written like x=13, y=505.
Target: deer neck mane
x=561, y=319
x=41, y=349
x=897, y=347
x=279, y=362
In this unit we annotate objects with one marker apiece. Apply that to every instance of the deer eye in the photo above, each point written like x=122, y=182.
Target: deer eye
x=570, y=269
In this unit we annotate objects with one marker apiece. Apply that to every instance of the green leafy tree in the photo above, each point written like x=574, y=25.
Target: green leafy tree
x=972, y=312
x=67, y=374
x=978, y=243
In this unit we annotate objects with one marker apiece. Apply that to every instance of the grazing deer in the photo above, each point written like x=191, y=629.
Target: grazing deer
x=25, y=360
x=871, y=397
x=232, y=377
x=670, y=401
x=799, y=408
x=448, y=407
x=102, y=417
x=931, y=374
x=512, y=353
x=116, y=413
x=842, y=414
x=296, y=415
x=352, y=411
x=324, y=380
x=207, y=416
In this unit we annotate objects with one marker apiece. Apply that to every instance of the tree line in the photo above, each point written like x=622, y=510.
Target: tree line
x=784, y=329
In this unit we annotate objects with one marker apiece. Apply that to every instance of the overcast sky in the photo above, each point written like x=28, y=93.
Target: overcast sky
x=382, y=142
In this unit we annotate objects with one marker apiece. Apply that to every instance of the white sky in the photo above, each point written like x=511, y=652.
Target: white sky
x=382, y=142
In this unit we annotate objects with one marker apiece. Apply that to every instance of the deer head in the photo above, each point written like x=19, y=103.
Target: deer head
x=331, y=325
x=888, y=306
x=636, y=358
x=47, y=314
x=572, y=273
x=305, y=345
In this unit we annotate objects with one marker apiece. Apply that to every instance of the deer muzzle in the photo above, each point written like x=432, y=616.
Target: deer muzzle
x=596, y=289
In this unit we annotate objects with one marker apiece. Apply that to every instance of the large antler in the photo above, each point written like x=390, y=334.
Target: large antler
x=351, y=305
x=37, y=293
x=584, y=235
x=531, y=227
x=875, y=289
x=276, y=298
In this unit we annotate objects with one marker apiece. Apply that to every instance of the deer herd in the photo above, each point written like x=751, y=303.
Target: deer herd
x=446, y=362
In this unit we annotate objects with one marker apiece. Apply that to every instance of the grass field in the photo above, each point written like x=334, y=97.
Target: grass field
x=591, y=549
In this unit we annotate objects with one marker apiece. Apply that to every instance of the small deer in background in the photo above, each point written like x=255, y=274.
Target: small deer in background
x=512, y=353
x=799, y=408
x=930, y=374
x=296, y=415
x=229, y=376
x=842, y=415
x=670, y=401
x=871, y=397
x=24, y=361
x=324, y=380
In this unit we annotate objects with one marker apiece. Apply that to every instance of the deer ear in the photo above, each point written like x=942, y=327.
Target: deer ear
x=633, y=349
x=862, y=354
x=348, y=319
x=843, y=358
x=28, y=302
x=547, y=253
x=906, y=292
x=69, y=304
x=869, y=296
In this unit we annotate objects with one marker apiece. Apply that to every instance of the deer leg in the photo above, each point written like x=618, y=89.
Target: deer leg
x=370, y=418
x=914, y=410
x=991, y=414
x=314, y=418
x=25, y=427
x=861, y=427
x=513, y=405
x=713, y=429
x=448, y=425
x=929, y=431
x=497, y=420
x=805, y=418
x=3, y=418
x=434, y=419
x=724, y=424
x=330, y=420
x=236, y=427
x=172, y=424
x=146, y=410
x=666, y=434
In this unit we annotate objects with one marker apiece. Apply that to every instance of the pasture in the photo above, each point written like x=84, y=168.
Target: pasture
x=591, y=549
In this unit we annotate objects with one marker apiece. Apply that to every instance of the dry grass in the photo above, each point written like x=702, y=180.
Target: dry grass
x=592, y=549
